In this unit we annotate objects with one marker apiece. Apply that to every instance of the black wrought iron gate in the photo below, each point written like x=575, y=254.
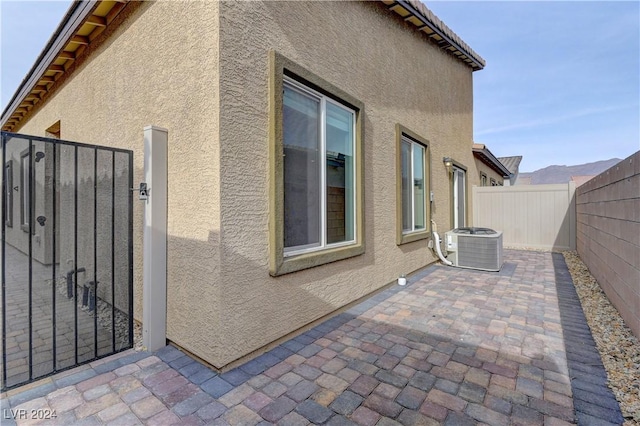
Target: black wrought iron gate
x=67, y=255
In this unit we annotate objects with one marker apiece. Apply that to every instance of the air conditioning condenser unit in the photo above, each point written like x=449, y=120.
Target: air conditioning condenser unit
x=475, y=248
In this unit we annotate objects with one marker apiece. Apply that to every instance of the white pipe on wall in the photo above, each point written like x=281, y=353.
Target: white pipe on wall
x=436, y=237
x=436, y=240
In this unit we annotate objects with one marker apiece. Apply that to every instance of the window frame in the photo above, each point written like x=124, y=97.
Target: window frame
x=483, y=179
x=493, y=182
x=282, y=69
x=324, y=245
x=403, y=237
x=457, y=165
x=8, y=193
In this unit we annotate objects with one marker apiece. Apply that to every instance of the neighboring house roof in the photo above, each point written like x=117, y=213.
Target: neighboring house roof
x=581, y=180
x=482, y=152
x=511, y=163
x=86, y=20
x=524, y=181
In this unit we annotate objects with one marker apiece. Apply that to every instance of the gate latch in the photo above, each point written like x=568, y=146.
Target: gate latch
x=143, y=191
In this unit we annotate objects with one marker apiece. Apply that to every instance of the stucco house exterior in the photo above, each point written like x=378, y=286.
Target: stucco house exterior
x=310, y=145
x=492, y=172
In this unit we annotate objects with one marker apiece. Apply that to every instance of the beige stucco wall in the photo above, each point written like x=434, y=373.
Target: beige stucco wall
x=369, y=53
x=608, y=222
x=158, y=67
x=201, y=70
x=481, y=167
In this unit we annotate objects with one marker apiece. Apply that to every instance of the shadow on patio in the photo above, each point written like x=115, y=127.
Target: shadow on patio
x=454, y=346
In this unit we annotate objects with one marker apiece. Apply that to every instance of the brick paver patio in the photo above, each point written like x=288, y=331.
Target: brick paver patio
x=16, y=304
x=453, y=347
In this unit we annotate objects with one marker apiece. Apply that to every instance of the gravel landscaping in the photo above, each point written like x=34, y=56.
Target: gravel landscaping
x=618, y=347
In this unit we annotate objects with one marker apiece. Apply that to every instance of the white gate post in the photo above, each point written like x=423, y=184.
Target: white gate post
x=154, y=295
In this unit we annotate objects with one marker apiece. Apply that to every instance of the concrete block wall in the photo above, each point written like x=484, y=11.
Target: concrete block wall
x=608, y=235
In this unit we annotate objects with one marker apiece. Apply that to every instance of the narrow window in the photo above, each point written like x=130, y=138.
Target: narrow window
x=8, y=193
x=319, y=171
x=459, y=197
x=483, y=179
x=493, y=182
x=413, y=186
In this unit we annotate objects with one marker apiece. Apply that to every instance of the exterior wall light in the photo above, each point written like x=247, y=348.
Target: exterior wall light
x=448, y=164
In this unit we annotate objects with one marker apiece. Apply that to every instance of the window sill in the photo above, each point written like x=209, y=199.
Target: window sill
x=414, y=236
x=317, y=258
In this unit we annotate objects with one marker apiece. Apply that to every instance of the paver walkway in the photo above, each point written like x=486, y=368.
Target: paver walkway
x=43, y=295
x=453, y=347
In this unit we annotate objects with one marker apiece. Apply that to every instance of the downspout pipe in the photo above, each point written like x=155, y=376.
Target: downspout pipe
x=436, y=241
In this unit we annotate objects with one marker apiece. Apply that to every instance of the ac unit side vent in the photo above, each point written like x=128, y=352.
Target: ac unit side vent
x=480, y=253
x=475, y=250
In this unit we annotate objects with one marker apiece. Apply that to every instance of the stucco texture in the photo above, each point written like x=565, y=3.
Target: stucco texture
x=400, y=77
x=482, y=167
x=158, y=67
x=201, y=70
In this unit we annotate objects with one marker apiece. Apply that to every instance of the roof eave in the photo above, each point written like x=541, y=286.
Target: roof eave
x=439, y=31
x=485, y=155
x=74, y=18
x=80, y=11
x=57, y=58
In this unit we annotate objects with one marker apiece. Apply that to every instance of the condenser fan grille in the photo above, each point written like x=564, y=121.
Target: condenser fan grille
x=480, y=252
x=475, y=248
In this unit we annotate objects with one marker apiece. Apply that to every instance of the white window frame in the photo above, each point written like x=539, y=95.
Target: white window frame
x=405, y=138
x=297, y=250
x=457, y=181
x=483, y=179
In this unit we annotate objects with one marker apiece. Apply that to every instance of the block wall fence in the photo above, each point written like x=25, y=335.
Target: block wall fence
x=608, y=235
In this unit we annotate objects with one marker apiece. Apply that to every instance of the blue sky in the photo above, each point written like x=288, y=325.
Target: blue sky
x=25, y=28
x=561, y=85
x=562, y=80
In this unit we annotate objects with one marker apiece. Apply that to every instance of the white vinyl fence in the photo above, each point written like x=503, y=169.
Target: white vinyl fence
x=530, y=216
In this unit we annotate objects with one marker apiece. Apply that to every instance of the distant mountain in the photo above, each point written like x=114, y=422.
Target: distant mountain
x=562, y=174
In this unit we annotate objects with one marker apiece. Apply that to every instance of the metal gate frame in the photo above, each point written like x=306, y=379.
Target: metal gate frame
x=31, y=223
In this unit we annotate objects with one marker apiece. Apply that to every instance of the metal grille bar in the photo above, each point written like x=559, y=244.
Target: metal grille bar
x=37, y=287
x=4, y=269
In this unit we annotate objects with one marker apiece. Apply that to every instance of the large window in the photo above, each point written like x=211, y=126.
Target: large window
x=319, y=175
x=413, y=186
x=316, y=166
